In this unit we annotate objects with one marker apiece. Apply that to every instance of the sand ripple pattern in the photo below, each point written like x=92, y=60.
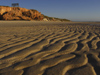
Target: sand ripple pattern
x=50, y=50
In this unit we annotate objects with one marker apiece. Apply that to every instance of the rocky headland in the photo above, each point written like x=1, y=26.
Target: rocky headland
x=18, y=13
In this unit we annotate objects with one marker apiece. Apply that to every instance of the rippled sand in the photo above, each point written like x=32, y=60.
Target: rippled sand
x=49, y=48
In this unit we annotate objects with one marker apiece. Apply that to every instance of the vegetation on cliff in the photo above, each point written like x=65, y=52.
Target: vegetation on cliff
x=54, y=18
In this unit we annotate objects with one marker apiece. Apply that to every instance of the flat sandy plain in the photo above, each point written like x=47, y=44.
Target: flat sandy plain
x=49, y=48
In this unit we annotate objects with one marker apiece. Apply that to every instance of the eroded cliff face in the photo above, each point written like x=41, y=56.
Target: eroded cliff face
x=17, y=13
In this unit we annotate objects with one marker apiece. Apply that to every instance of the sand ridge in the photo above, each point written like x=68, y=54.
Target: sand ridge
x=49, y=48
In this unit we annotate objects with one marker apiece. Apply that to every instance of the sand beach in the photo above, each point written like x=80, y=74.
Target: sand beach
x=49, y=48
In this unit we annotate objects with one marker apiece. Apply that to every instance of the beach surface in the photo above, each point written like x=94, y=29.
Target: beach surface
x=49, y=48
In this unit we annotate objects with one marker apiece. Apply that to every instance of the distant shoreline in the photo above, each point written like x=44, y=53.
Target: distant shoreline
x=32, y=22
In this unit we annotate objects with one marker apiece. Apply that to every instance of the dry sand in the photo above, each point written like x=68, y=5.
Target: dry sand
x=49, y=48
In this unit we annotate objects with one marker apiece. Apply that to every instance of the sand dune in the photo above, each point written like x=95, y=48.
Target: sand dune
x=49, y=48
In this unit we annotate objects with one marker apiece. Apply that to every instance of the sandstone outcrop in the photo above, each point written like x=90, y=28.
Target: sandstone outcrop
x=17, y=13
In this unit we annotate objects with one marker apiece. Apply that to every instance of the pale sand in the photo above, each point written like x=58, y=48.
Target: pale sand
x=49, y=48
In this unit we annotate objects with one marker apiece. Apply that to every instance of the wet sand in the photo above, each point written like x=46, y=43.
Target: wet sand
x=49, y=48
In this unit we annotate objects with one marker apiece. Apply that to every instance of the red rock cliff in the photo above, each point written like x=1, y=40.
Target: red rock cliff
x=17, y=13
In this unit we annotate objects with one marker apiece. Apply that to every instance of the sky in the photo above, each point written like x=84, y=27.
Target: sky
x=74, y=10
